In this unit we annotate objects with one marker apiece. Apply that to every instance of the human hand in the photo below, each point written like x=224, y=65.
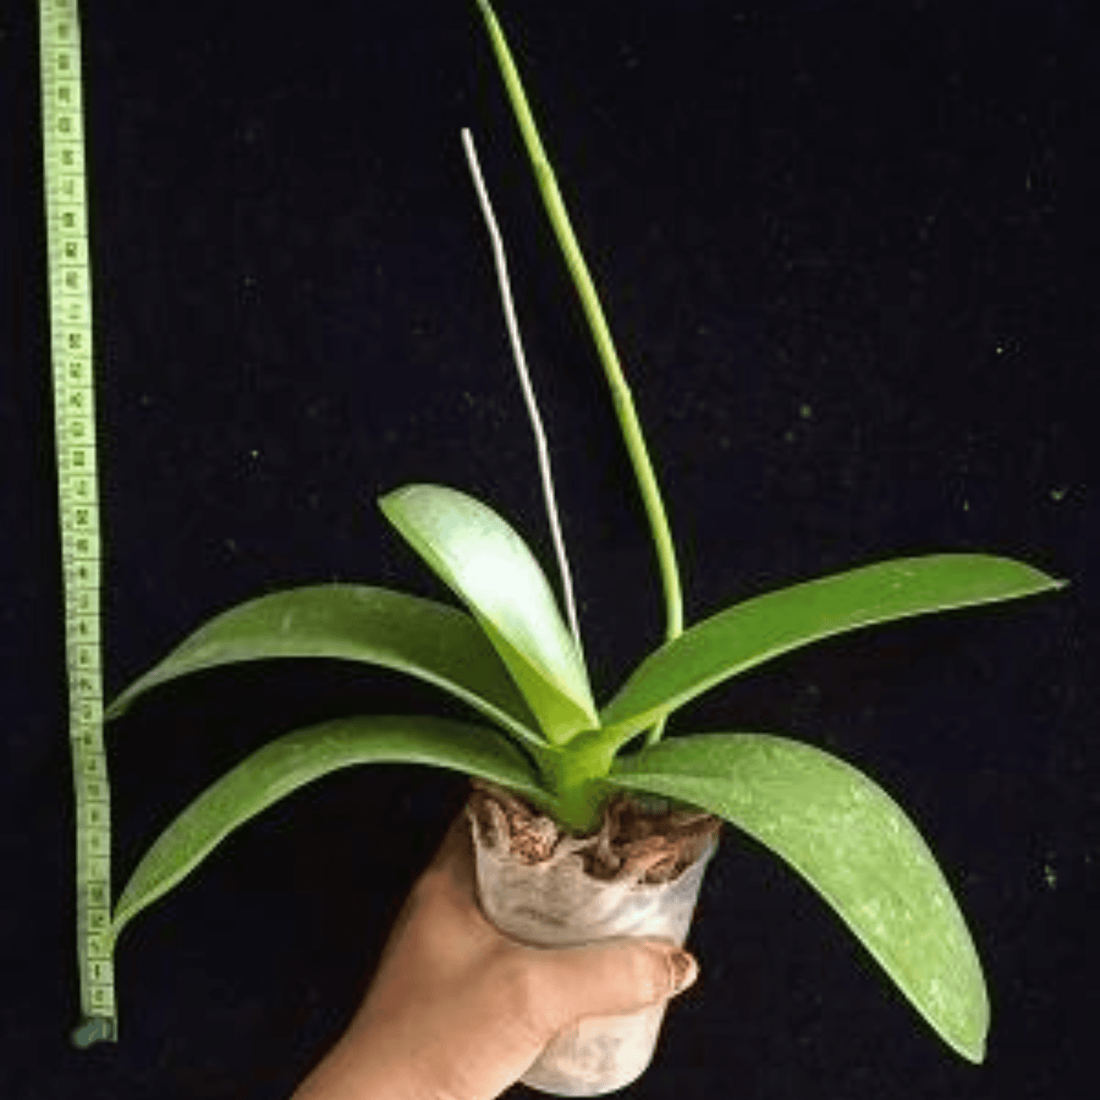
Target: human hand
x=459, y=1011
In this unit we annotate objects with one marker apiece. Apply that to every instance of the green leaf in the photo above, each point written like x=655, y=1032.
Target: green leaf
x=291, y=761
x=852, y=843
x=487, y=565
x=765, y=627
x=430, y=640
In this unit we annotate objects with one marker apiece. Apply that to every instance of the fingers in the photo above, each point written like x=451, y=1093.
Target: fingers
x=617, y=977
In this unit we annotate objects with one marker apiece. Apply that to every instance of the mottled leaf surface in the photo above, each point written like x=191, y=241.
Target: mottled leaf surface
x=297, y=758
x=429, y=640
x=775, y=623
x=847, y=838
x=488, y=566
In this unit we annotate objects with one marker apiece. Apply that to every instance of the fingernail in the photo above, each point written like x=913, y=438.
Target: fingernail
x=684, y=970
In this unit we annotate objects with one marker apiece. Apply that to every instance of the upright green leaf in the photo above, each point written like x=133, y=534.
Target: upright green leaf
x=291, y=761
x=429, y=640
x=487, y=565
x=764, y=627
x=847, y=838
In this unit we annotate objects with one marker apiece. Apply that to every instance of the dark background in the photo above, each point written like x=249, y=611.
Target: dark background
x=848, y=253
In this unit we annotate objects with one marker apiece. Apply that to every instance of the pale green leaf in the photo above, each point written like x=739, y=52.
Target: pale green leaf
x=846, y=837
x=297, y=758
x=766, y=626
x=429, y=640
x=487, y=565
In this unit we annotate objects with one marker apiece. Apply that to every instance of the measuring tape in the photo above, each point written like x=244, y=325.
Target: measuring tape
x=70, y=296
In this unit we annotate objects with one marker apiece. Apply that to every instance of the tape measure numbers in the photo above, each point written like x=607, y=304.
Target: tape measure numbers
x=70, y=305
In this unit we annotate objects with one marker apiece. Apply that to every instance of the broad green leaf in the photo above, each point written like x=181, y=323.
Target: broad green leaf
x=846, y=837
x=764, y=627
x=487, y=565
x=430, y=640
x=297, y=758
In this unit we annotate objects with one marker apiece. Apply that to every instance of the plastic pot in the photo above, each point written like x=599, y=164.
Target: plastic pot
x=548, y=889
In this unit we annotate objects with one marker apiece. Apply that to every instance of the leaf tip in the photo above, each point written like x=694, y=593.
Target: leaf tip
x=972, y=1047
x=118, y=707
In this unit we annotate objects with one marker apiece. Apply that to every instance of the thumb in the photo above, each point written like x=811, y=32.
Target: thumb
x=616, y=977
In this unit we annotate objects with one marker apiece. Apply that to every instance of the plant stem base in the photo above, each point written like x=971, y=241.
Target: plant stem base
x=638, y=875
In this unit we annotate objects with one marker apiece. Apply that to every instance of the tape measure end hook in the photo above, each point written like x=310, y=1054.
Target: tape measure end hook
x=94, y=1029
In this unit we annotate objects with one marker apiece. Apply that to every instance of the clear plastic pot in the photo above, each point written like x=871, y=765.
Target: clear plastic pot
x=538, y=886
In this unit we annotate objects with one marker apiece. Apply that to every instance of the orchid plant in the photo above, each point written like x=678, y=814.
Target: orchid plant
x=511, y=656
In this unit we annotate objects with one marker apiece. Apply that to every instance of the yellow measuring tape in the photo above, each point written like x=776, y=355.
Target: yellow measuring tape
x=70, y=297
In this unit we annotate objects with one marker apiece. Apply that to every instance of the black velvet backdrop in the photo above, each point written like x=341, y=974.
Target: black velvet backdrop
x=848, y=252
